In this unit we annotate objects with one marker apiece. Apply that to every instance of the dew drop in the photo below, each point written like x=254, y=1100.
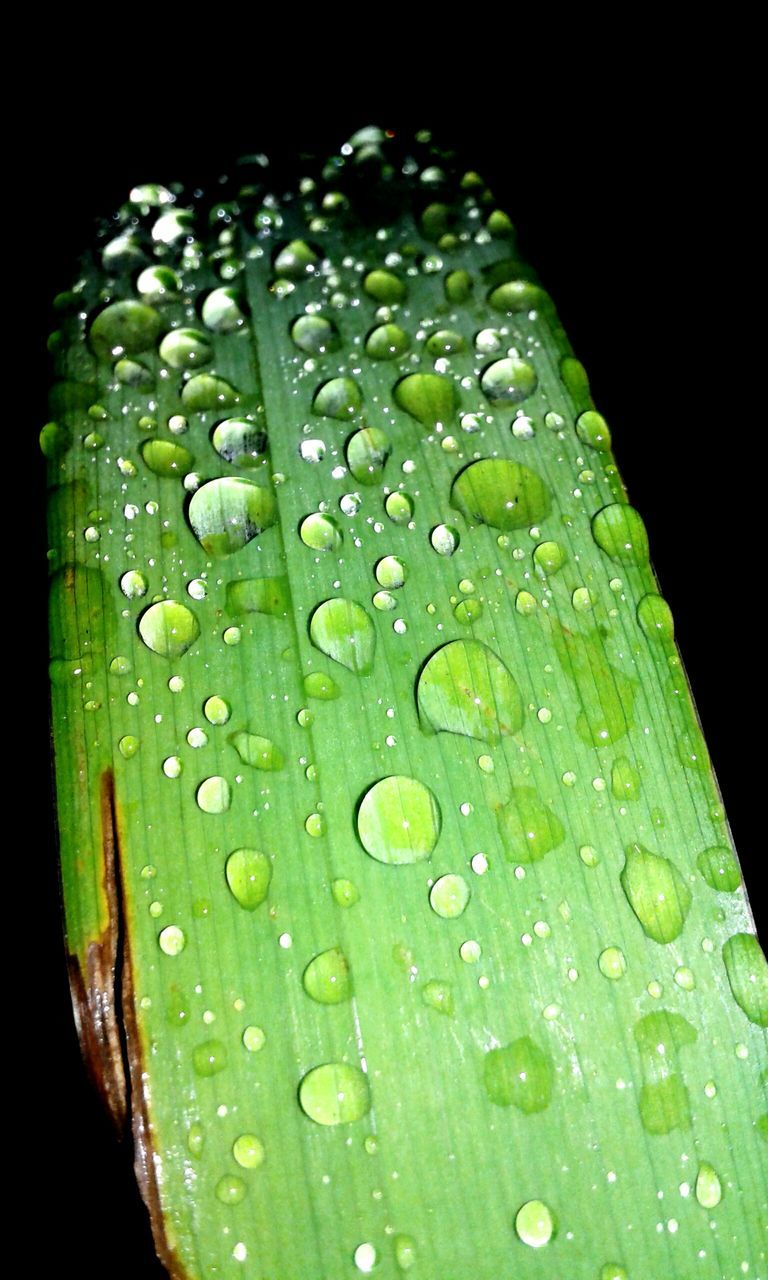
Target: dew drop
x=168, y=628
x=335, y=1093
x=214, y=795
x=398, y=821
x=535, y=1224
x=248, y=873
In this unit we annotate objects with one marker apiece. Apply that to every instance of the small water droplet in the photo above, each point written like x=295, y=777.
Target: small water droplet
x=534, y=1224
x=449, y=896
x=327, y=978
x=214, y=795
x=248, y=873
x=335, y=1093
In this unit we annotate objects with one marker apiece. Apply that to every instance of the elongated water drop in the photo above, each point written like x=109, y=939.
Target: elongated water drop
x=656, y=892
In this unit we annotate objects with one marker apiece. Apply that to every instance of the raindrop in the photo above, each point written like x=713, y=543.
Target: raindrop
x=534, y=1224
x=529, y=829
x=335, y=1093
x=519, y=1075
x=340, y=398
x=500, y=493
x=240, y=442
x=168, y=628
x=228, y=513
x=465, y=688
x=427, y=397
x=320, y=532
x=214, y=795
x=508, y=381
x=398, y=821
x=315, y=335
x=449, y=896
x=387, y=342
x=342, y=630
x=166, y=459
x=445, y=539
x=656, y=892
x=248, y=873
x=367, y=454
x=619, y=531
x=124, y=328
x=327, y=978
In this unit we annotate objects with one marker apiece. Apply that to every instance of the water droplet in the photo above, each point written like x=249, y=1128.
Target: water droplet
x=260, y=753
x=405, y=1252
x=315, y=335
x=613, y=1271
x=719, y=868
x=172, y=767
x=384, y=287
x=365, y=1257
x=458, y=286
x=342, y=630
x=398, y=821
x=399, y=507
x=655, y=618
x=465, y=688
x=248, y=873
x=684, y=977
x=168, y=628
x=209, y=1058
x=508, y=381
x=216, y=710
x=214, y=795
x=445, y=539
x=345, y=893
x=185, y=348
x=327, y=978
x=390, y=572
x=172, y=940
x=367, y=453
x=340, y=398
x=387, y=342
x=747, y=971
x=656, y=892
x=438, y=996
x=124, y=328
x=296, y=261
x=449, y=896
x=500, y=493
x=427, y=397
x=133, y=584
x=535, y=1224
x=204, y=391
x=612, y=963
x=625, y=780
x=582, y=600
x=520, y=1075
x=549, y=557
x=239, y=442
x=128, y=746
x=254, y=1039
x=227, y=513
x=320, y=532
x=335, y=1093
x=222, y=310
x=259, y=595
x=529, y=829
x=515, y=296
x=230, y=1189
x=593, y=429
x=445, y=342
x=619, y=531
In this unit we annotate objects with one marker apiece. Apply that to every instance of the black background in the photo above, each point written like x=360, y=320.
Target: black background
x=635, y=204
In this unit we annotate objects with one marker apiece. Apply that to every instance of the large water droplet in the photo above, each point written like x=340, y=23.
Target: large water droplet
x=260, y=753
x=387, y=342
x=327, y=978
x=747, y=972
x=508, y=381
x=296, y=261
x=335, y=1093
x=619, y=531
x=500, y=493
x=427, y=397
x=214, y=795
x=465, y=688
x=367, y=453
x=239, y=441
x=319, y=685
x=222, y=310
x=248, y=873
x=124, y=328
x=625, y=780
x=656, y=892
x=612, y=963
x=592, y=428
x=398, y=821
x=529, y=829
x=515, y=296
x=384, y=287
x=209, y=1058
x=655, y=618
x=168, y=628
x=268, y=595
x=226, y=514
x=535, y=1224
x=342, y=630
x=519, y=1075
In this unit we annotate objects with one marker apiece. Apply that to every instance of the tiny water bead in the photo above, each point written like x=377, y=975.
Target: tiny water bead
x=399, y=821
x=248, y=1151
x=226, y=514
x=168, y=628
x=500, y=493
x=535, y=1224
x=449, y=896
x=619, y=531
x=438, y=995
x=248, y=874
x=327, y=978
x=335, y=1093
x=214, y=795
